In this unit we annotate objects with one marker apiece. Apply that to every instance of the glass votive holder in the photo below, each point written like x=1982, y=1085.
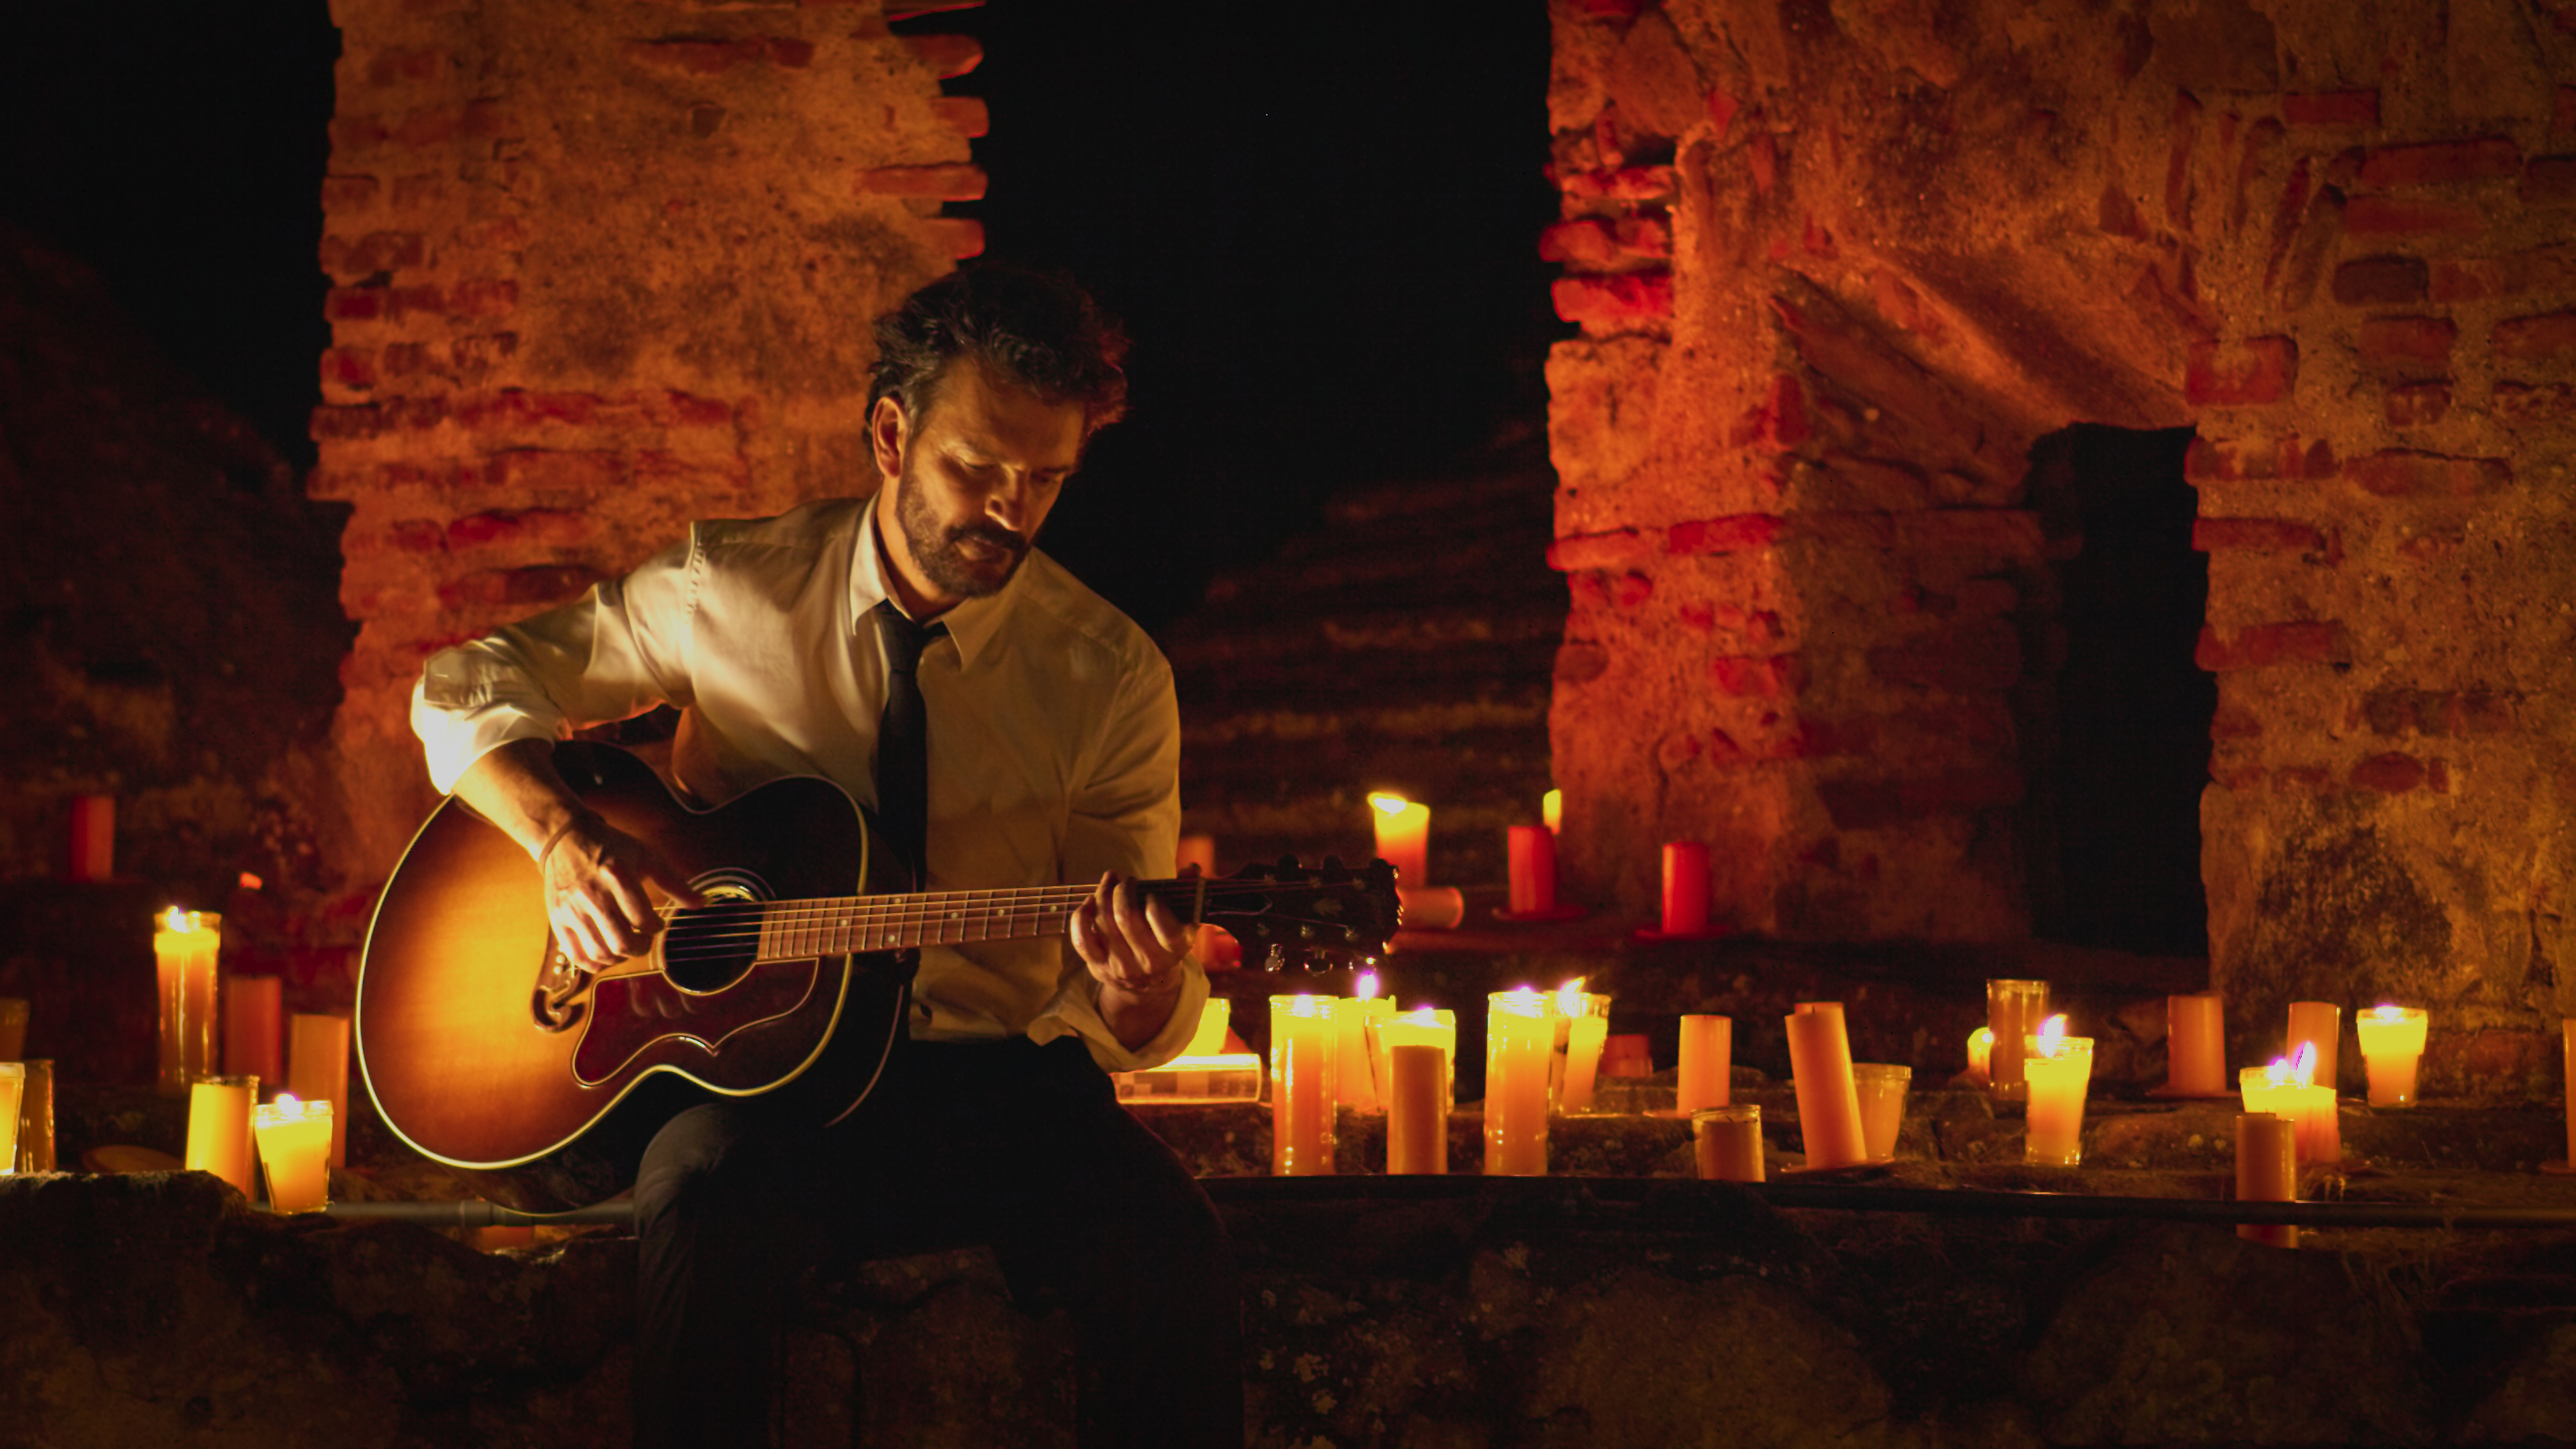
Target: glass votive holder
x=1882, y=1087
x=295, y=1154
x=2059, y=1080
x=2392, y=1051
x=13, y=1086
x=36, y=1117
x=219, y=1118
x=1727, y=1142
x=1582, y=1026
x=2014, y=1010
x=1302, y=1103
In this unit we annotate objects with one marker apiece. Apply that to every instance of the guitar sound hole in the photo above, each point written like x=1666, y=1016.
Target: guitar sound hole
x=709, y=948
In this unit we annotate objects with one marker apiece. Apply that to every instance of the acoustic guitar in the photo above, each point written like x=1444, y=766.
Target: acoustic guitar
x=488, y=1051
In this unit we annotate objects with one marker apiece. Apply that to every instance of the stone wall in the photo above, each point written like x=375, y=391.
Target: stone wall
x=1839, y=267
x=599, y=269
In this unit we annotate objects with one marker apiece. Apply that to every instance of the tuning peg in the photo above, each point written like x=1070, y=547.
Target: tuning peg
x=1306, y=932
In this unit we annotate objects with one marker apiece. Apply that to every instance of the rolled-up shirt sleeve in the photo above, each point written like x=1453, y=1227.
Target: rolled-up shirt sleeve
x=619, y=650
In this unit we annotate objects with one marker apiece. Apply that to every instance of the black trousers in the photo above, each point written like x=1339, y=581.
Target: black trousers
x=1010, y=1144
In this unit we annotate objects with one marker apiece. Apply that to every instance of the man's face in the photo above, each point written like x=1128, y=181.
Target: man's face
x=972, y=479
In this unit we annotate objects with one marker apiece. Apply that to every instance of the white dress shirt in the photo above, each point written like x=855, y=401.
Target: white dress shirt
x=1054, y=731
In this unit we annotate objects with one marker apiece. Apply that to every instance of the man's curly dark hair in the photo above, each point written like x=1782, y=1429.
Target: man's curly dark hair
x=1037, y=329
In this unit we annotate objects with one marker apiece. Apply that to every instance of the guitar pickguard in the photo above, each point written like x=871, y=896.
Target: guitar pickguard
x=632, y=1016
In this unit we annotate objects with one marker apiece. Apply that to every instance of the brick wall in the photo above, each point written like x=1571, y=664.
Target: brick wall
x=1836, y=273
x=599, y=270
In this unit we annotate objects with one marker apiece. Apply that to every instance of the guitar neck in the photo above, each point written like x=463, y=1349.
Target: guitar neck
x=841, y=925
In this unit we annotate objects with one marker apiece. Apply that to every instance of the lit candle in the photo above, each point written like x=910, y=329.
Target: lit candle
x=1707, y=1063
x=2195, y=1045
x=1584, y=1019
x=1417, y=1114
x=1532, y=869
x=1519, y=1031
x=1214, y=1020
x=1727, y=1143
x=252, y=1039
x=1551, y=810
x=1686, y=888
x=13, y=1028
x=219, y=1111
x=1301, y=1086
x=13, y=1088
x=1355, y=1067
x=93, y=842
x=184, y=946
x=1403, y=837
x=294, y=1140
x=2014, y=1010
x=1820, y=1067
x=1430, y=908
x=2059, y=1070
x=1882, y=1090
x=36, y=1118
x=1981, y=1053
x=1422, y=1026
x=317, y=1069
x=2267, y=1170
x=2284, y=1090
x=2392, y=1047
x=2319, y=1024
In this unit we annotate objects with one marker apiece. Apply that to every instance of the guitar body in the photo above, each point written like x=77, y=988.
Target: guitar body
x=545, y=1103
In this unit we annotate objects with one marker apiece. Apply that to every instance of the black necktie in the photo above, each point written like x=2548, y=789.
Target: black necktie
x=903, y=741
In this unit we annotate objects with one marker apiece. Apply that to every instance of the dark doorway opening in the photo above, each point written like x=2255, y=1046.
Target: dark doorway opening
x=2121, y=866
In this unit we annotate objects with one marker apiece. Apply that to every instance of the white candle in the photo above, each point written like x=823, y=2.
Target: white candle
x=184, y=947
x=1301, y=1086
x=1519, y=1031
x=1882, y=1090
x=1707, y=1063
x=2392, y=1049
x=1417, y=1114
x=1583, y=1024
x=1422, y=1026
x=1726, y=1142
x=2267, y=1170
x=2059, y=1071
x=1820, y=1067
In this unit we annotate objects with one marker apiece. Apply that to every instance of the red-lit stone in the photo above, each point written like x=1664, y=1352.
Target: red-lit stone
x=2251, y=373
x=2438, y=161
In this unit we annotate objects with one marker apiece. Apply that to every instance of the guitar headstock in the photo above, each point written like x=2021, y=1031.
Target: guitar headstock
x=1292, y=917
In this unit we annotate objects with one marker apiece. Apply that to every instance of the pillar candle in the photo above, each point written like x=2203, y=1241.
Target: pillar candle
x=1727, y=1142
x=253, y=1039
x=1404, y=838
x=1551, y=810
x=1708, y=1063
x=36, y=1118
x=1686, y=888
x=219, y=1116
x=317, y=1070
x=2195, y=1044
x=2282, y=1089
x=2392, y=1048
x=1533, y=869
x=2059, y=1071
x=1519, y=1031
x=1215, y=1019
x=1417, y=1113
x=13, y=1087
x=93, y=838
x=2014, y=1010
x=2267, y=1170
x=1422, y=1026
x=2320, y=1125
x=184, y=947
x=294, y=1139
x=1882, y=1090
x=1301, y=1086
x=1981, y=1054
x=1820, y=1065
x=1583, y=1017
x=1355, y=1074
x=13, y=1029
x=2321, y=1023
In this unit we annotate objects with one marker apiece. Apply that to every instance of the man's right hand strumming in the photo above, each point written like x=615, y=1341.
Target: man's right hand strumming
x=600, y=882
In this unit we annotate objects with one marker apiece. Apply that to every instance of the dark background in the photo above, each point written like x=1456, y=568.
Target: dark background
x=1321, y=229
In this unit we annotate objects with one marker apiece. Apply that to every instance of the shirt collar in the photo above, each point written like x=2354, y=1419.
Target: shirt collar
x=971, y=624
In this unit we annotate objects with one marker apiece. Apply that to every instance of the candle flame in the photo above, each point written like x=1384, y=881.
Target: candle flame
x=1551, y=808
x=1426, y=1015
x=1366, y=987
x=1390, y=804
x=2279, y=1073
x=1981, y=1044
x=2385, y=1012
x=1569, y=997
x=2052, y=1036
x=2303, y=1064
x=289, y=1106
x=176, y=919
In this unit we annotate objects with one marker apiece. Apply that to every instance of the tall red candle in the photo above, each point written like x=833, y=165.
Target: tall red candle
x=93, y=843
x=1533, y=869
x=1686, y=888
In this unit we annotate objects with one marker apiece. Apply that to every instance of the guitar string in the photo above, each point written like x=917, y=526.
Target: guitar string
x=858, y=916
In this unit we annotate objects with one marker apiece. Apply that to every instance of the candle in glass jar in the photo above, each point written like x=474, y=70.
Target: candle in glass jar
x=36, y=1118
x=13, y=1085
x=2267, y=1170
x=294, y=1139
x=1355, y=1067
x=219, y=1118
x=2392, y=1048
x=184, y=947
x=2195, y=1045
x=2059, y=1071
x=2319, y=1024
x=1820, y=1068
x=1301, y=1086
x=317, y=1070
x=1403, y=838
x=1707, y=1063
x=1981, y=1054
x=1726, y=1142
x=1583, y=1021
x=1685, y=888
x=2014, y=1010
x=254, y=1038
x=1519, y=1034
x=1532, y=869
x=1882, y=1088
x=1422, y=1026
x=1417, y=1111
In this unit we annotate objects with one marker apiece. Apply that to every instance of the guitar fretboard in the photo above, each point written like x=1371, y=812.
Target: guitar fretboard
x=839, y=925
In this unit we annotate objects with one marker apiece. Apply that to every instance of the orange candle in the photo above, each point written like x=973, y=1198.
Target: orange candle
x=1686, y=888
x=2284, y=1090
x=1417, y=1114
x=1551, y=810
x=93, y=842
x=1533, y=869
x=2267, y=1170
x=1355, y=1067
x=13, y=1087
x=317, y=1069
x=253, y=1043
x=36, y=1118
x=1707, y=1065
x=2059, y=1071
x=1422, y=1026
x=1981, y=1054
x=1882, y=1089
x=1403, y=838
x=219, y=1115
x=2392, y=1048
x=1519, y=1034
x=2320, y=1024
x=2195, y=1044
x=1582, y=1026
x=2014, y=1010
x=1727, y=1143
x=1301, y=1086
x=294, y=1138
x=1820, y=1065
x=184, y=947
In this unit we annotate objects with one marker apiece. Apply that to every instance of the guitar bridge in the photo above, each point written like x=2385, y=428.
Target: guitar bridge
x=556, y=1003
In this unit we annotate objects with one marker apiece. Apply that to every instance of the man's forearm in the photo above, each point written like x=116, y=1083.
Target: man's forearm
x=1133, y=1018
x=516, y=788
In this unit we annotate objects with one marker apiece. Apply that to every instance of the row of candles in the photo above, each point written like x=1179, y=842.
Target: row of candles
x=1403, y=830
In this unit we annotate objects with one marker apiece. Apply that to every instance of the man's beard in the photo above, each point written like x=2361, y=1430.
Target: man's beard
x=935, y=548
